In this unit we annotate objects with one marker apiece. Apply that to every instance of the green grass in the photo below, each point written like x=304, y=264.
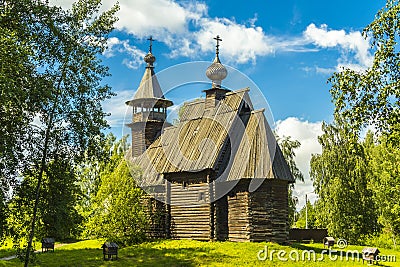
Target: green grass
x=6, y=248
x=188, y=253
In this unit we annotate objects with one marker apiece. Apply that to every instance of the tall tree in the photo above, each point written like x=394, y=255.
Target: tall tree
x=118, y=201
x=65, y=45
x=373, y=96
x=340, y=176
x=288, y=146
x=20, y=88
x=385, y=183
x=57, y=211
x=89, y=177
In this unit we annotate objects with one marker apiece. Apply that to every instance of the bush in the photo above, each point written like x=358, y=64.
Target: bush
x=383, y=240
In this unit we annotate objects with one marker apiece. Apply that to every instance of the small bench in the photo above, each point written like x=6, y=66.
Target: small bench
x=110, y=249
x=48, y=243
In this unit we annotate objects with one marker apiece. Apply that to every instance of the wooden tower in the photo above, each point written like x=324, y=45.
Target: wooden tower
x=149, y=109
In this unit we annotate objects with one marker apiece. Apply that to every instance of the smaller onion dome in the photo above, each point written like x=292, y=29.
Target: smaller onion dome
x=216, y=72
x=149, y=59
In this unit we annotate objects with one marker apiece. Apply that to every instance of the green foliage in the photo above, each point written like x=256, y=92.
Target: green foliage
x=89, y=176
x=117, y=212
x=381, y=240
x=311, y=217
x=373, y=96
x=57, y=213
x=385, y=184
x=19, y=90
x=3, y=216
x=366, y=172
x=57, y=78
x=288, y=147
x=340, y=174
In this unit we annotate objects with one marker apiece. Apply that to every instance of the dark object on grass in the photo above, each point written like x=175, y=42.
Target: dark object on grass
x=306, y=235
x=47, y=243
x=110, y=249
x=370, y=254
x=329, y=241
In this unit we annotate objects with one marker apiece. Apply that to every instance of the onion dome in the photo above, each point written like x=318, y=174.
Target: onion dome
x=216, y=72
x=149, y=59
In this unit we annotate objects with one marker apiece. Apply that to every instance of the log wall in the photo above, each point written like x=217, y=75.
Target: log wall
x=261, y=215
x=143, y=135
x=238, y=217
x=268, y=207
x=190, y=211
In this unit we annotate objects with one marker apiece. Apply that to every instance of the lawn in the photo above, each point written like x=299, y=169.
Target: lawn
x=6, y=248
x=196, y=253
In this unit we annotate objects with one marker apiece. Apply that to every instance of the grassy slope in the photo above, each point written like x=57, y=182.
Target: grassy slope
x=184, y=253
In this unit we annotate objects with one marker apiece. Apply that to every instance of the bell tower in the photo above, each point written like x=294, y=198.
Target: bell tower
x=149, y=108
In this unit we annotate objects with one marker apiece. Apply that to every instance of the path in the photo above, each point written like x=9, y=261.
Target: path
x=37, y=251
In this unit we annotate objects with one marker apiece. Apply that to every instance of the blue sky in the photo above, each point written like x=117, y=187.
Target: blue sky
x=288, y=49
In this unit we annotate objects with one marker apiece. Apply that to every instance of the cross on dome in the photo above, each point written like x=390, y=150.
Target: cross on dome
x=151, y=43
x=218, y=39
x=216, y=72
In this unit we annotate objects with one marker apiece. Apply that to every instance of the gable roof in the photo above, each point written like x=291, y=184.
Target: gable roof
x=258, y=154
x=203, y=137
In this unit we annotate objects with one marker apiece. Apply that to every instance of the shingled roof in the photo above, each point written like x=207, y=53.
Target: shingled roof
x=149, y=86
x=205, y=135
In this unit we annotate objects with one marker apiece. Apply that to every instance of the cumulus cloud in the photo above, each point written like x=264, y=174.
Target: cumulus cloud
x=169, y=22
x=352, y=43
x=117, y=110
x=187, y=29
x=241, y=42
x=135, y=55
x=307, y=134
x=139, y=17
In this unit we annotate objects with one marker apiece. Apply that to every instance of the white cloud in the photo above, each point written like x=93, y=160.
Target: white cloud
x=118, y=110
x=135, y=55
x=188, y=31
x=240, y=42
x=319, y=70
x=328, y=71
x=307, y=134
x=140, y=17
x=353, y=46
x=111, y=44
x=66, y=4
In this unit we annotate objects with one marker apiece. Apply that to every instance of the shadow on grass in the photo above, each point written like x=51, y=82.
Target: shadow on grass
x=334, y=251
x=6, y=252
x=142, y=255
x=150, y=256
x=348, y=254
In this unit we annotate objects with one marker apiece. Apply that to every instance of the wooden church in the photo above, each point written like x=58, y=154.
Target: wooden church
x=217, y=174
